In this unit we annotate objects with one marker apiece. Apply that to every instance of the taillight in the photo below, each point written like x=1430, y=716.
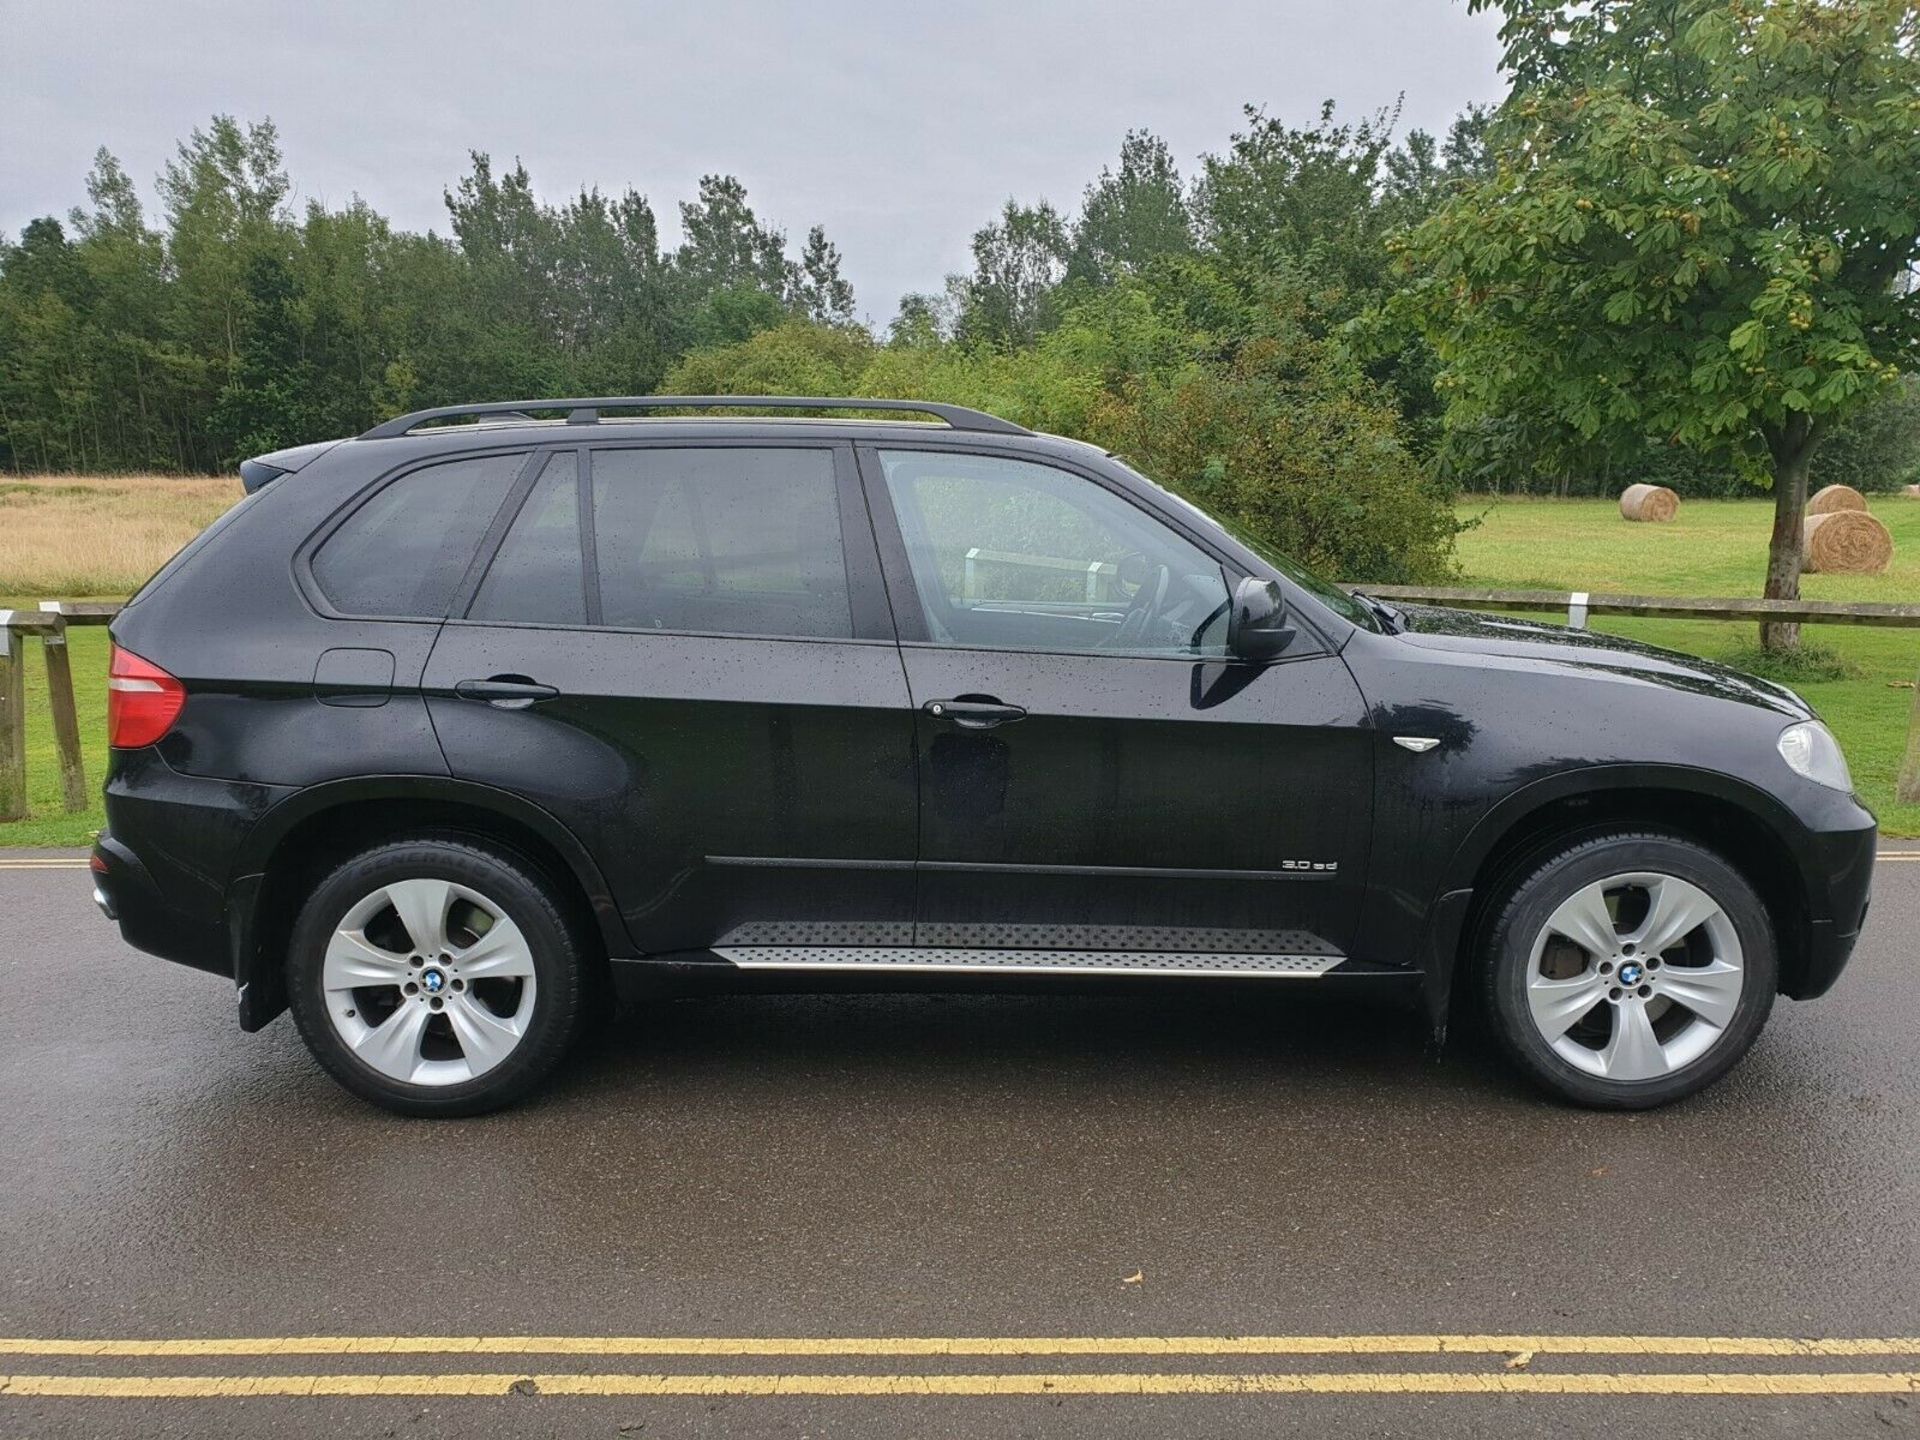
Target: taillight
x=143, y=701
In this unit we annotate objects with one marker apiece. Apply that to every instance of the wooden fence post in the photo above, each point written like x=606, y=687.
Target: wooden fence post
x=66, y=717
x=13, y=721
x=1907, y=788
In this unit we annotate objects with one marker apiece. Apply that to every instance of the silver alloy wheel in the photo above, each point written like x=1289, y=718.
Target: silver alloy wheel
x=428, y=982
x=1635, y=976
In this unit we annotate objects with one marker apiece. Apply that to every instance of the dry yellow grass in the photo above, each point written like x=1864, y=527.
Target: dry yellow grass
x=64, y=536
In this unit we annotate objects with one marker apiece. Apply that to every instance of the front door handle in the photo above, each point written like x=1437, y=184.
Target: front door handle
x=971, y=712
x=505, y=692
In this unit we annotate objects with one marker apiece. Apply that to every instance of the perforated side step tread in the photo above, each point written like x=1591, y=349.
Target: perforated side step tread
x=1026, y=962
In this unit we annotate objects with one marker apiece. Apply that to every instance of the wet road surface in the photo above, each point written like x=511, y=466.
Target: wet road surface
x=1173, y=1171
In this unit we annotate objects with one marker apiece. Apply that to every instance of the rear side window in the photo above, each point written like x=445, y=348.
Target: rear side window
x=729, y=540
x=403, y=553
x=537, y=574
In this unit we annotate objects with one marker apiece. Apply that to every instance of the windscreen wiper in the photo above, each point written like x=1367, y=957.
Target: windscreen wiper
x=1386, y=614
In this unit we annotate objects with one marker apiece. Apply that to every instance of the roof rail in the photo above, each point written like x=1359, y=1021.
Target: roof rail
x=587, y=412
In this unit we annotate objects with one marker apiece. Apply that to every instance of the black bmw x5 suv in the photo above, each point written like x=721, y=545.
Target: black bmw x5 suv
x=448, y=733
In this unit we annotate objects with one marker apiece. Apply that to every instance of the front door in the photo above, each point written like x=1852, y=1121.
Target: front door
x=1098, y=779
x=684, y=653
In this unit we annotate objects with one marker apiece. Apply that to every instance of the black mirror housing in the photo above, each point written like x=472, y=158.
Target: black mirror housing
x=1257, y=626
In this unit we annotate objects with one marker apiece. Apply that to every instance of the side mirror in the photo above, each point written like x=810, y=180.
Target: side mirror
x=1257, y=626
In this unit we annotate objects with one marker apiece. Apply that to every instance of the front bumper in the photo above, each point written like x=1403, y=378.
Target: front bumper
x=1838, y=865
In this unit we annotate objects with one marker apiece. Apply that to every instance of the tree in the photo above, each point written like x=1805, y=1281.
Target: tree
x=1288, y=440
x=726, y=247
x=1310, y=208
x=1307, y=200
x=1702, y=228
x=46, y=392
x=1018, y=260
x=224, y=193
x=821, y=294
x=924, y=321
x=241, y=326
x=1131, y=218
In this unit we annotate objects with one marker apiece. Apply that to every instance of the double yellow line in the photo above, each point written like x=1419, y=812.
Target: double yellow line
x=1512, y=1377
x=279, y=1346
x=221, y=1387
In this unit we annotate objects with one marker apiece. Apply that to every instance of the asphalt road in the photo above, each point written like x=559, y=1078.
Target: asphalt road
x=885, y=1170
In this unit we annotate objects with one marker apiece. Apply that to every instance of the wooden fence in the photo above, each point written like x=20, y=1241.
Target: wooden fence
x=53, y=619
x=50, y=623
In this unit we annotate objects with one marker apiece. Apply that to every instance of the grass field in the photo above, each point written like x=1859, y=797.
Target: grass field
x=74, y=538
x=65, y=536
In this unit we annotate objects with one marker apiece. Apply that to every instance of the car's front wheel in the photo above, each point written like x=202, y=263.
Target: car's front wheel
x=1626, y=969
x=436, y=977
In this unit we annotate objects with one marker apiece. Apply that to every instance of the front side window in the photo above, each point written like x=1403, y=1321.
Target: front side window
x=725, y=540
x=1007, y=554
x=405, y=551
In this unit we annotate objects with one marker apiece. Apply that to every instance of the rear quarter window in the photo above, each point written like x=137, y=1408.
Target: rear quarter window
x=403, y=553
x=192, y=548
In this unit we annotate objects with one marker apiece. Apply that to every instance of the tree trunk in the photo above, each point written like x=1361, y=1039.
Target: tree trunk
x=1792, y=448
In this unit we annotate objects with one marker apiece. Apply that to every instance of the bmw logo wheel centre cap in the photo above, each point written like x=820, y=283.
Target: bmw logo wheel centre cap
x=432, y=981
x=1630, y=974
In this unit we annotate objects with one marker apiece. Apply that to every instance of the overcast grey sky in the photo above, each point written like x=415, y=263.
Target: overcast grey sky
x=901, y=127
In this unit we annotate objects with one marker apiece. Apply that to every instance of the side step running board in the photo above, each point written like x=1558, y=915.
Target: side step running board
x=1025, y=962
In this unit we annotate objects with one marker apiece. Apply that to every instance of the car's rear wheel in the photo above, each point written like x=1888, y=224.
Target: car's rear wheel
x=1626, y=970
x=436, y=977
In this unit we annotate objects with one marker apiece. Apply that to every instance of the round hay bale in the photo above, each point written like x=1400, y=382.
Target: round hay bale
x=1913, y=492
x=1649, y=502
x=1835, y=497
x=1845, y=542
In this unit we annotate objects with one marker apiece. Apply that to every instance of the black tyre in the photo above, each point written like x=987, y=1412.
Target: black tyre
x=1626, y=969
x=436, y=977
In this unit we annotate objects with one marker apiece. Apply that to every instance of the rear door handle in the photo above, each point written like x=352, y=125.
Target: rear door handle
x=505, y=692
x=970, y=713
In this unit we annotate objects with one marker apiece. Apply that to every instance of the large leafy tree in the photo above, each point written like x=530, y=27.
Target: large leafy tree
x=1701, y=227
x=821, y=293
x=1133, y=216
x=1018, y=262
x=1314, y=201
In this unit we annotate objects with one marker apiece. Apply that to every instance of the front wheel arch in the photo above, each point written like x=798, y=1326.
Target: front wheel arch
x=1733, y=821
x=1728, y=937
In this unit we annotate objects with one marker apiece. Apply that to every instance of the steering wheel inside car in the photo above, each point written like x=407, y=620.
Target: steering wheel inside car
x=1148, y=598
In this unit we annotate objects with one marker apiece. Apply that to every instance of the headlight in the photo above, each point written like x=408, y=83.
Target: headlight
x=1810, y=750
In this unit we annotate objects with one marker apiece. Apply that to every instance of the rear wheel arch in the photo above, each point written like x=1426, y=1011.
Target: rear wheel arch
x=439, y=974
x=299, y=842
x=1729, y=819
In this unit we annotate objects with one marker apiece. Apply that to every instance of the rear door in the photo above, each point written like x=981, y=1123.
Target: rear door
x=684, y=652
x=1099, y=779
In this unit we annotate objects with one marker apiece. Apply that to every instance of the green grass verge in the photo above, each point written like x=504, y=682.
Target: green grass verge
x=1713, y=548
